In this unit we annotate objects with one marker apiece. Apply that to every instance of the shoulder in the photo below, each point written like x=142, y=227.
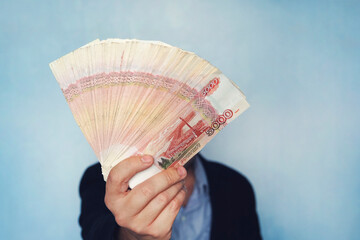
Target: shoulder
x=92, y=178
x=96, y=220
x=222, y=170
x=224, y=180
x=222, y=173
x=92, y=172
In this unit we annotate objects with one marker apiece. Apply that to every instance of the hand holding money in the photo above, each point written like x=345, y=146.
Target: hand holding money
x=148, y=210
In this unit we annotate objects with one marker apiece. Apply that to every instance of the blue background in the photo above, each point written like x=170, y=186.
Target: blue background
x=298, y=62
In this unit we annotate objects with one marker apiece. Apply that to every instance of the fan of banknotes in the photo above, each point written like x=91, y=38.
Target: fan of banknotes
x=133, y=97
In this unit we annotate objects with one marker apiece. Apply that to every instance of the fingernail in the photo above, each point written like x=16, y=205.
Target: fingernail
x=181, y=171
x=146, y=158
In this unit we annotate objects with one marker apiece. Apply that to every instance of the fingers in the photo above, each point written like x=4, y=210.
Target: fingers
x=143, y=193
x=157, y=205
x=120, y=175
x=156, y=201
x=167, y=217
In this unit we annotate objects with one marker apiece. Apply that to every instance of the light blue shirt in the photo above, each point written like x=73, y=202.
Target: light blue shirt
x=194, y=220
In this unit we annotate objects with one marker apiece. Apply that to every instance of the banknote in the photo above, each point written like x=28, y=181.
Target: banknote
x=133, y=97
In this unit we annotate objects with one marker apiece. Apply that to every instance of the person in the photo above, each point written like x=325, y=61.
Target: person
x=205, y=200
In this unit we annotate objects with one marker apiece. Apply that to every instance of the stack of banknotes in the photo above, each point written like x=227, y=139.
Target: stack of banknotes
x=133, y=97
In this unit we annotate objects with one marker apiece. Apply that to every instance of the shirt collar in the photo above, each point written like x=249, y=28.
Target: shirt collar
x=201, y=182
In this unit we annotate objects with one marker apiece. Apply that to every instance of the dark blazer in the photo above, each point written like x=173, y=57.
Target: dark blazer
x=232, y=200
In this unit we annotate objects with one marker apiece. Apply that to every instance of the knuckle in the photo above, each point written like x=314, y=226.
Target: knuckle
x=166, y=234
x=113, y=177
x=147, y=191
x=110, y=202
x=120, y=221
x=116, y=208
x=138, y=229
x=123, y=219
x=170, y=177
x=123, y=186
x=175, y=204
x=154, y=233
x=163, y=198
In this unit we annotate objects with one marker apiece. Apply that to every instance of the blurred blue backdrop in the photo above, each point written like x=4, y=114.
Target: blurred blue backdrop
x=298, y=62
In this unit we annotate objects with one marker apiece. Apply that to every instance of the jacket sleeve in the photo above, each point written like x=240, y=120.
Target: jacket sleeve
x=96, y=221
